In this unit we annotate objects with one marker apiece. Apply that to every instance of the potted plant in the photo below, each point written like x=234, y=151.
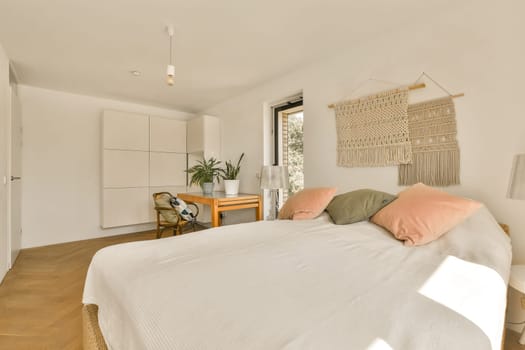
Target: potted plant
x=204, y=172
x=229, y=175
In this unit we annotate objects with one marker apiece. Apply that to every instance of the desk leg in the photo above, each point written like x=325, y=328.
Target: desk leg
x=259, y=210
x=215, y=214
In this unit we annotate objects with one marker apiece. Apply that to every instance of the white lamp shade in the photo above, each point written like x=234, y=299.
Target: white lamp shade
x=170, y=71
x=274, y=177
x=517, y=178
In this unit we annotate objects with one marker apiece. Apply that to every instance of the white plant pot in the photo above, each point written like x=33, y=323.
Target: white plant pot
x=231, y=186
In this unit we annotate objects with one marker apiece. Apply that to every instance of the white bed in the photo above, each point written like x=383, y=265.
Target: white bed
x=304, y=285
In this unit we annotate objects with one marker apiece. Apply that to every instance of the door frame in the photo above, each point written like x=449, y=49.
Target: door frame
x=4, y=109
x=13, y=94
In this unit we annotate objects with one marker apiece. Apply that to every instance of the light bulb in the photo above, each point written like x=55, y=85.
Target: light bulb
x=170, y=72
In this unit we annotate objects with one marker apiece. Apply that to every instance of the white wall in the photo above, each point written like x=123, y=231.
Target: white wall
x=477, y=50
x=61, y=161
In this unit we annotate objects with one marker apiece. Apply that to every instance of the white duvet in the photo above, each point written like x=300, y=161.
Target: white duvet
x=304, y=285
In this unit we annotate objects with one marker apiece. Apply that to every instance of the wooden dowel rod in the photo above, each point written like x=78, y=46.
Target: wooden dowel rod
x=413, y=87
x=416, y=86
x=410, y=87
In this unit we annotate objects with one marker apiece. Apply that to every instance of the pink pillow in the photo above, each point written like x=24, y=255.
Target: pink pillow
x=307, y=204
x=422, y=214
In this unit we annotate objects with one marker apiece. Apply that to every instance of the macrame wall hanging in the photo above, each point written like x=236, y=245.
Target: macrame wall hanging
x=435, y=151
x=373, y=130
x=382, y=130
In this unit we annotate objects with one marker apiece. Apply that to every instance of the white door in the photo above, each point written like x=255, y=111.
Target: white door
x=15, y=190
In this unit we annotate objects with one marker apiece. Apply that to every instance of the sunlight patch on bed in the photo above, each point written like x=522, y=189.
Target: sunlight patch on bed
x=379, y=344
x=463, y=286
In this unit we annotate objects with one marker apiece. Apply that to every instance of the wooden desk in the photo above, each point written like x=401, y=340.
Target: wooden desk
x=218, y=202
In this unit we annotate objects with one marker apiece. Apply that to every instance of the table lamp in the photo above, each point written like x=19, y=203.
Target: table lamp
x=274, y=178
x=517, y=178
x=517, y=191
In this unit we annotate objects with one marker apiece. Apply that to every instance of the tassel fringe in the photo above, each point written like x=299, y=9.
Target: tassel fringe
x=375, y=156
x=437, y=168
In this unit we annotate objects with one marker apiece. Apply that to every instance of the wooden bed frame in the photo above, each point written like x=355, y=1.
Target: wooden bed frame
x=92, y=338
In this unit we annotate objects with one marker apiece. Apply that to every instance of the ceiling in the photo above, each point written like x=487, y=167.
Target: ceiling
x=221, y=47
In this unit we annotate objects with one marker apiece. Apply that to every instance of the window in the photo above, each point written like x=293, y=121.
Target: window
x=288, y=143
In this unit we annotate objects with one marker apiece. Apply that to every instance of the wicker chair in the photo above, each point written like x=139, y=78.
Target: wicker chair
x=168, y=217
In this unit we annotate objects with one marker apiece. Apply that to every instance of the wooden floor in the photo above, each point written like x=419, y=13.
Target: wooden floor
x=511, y=341
x=40, y=298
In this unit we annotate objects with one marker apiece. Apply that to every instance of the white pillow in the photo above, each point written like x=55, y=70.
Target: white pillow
x=182, y=208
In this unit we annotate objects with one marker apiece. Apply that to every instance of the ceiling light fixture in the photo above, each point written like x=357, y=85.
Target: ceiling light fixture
x=135, y=73
x=170, y=71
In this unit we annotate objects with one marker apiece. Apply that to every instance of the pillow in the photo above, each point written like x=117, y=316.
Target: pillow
x=163, y=200
x=422, y=214
x=182, y=208
x=356, y=206
x=307, y=204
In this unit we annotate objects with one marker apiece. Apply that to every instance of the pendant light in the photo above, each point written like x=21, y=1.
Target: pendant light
x=170, y=71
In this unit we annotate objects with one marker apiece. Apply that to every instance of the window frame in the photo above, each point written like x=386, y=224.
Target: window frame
x=276, y=129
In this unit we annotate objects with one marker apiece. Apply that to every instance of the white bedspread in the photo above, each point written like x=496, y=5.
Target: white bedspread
x=304, y=285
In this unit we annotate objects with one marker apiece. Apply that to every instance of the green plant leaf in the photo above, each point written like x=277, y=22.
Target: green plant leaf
x=205, y=170
x=231, y=171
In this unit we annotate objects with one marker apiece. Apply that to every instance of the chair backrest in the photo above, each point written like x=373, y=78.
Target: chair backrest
x=163, y=206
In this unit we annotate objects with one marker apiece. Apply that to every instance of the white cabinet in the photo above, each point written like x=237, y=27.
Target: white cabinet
x=204, y=136
x=123, y=169
x=203, y=141
x=167, y=169
x=167, y=152
x=167, y=135
x=141, y=155
x=167, y=158
x=195, y=138
x=125, y=131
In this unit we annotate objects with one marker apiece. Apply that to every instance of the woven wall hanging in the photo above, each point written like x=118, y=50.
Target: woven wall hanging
x=435, y=151
x=373, y=131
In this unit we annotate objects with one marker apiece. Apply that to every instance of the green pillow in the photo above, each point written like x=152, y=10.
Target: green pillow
x=356, y=206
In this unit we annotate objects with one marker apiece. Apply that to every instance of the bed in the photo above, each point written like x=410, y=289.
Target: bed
x=304, y=285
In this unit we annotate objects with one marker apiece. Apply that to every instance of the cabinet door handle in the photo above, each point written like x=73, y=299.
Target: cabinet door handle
x=13, y=178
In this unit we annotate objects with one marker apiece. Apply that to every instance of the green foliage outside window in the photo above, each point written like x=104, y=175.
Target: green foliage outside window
x=295, y=152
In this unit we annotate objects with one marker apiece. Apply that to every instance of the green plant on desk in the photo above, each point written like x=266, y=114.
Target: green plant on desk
x=205, y=172
x=230, y=172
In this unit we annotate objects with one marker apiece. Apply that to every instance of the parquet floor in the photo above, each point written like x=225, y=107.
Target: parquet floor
x=40, y=298
x=511, y=341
